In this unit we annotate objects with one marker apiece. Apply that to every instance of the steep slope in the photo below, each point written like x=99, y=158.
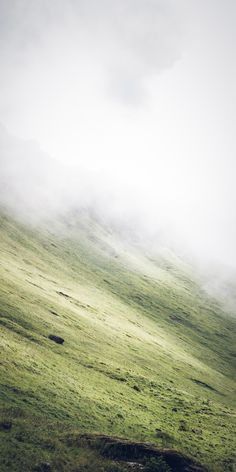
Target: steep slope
x=147, y=354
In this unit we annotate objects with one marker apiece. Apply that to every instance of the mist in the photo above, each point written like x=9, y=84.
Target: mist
x=125, y=106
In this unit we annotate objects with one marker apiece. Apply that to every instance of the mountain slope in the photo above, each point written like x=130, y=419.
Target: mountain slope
x=147, y=354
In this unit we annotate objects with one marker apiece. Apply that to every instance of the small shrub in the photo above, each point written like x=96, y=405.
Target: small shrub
x=183, y=426
x=156, y=464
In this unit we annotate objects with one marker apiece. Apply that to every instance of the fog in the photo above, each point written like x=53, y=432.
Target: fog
x=131, y=104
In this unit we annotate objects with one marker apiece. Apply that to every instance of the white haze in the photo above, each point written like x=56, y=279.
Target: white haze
x=139, y=96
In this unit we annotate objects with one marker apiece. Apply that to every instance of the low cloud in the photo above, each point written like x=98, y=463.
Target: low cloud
x=126, y=40
x=129, y=106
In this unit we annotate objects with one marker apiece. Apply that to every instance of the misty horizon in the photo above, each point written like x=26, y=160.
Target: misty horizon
x=127, y=109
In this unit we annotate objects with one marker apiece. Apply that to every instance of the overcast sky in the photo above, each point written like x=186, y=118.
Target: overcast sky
x=140, y=91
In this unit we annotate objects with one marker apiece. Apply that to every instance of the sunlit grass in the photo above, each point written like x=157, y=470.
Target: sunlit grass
x=147, y=354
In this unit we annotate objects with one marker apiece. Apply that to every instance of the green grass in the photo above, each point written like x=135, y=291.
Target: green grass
x=148, y=355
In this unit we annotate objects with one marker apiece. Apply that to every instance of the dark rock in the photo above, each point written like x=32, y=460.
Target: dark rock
x=5, y=425
x=56, y=339
x=136, y=388
x=175, y=409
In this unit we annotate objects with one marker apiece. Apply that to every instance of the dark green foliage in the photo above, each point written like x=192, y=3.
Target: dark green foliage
x=156, y=464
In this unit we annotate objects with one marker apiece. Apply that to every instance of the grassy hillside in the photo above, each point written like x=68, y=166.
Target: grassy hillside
x=147, y=355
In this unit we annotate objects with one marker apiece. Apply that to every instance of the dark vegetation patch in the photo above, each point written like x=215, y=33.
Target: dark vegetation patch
x=53, y=313
x=107, y=281
x=11, y=412
x=156, y=464
x=35, y=285
x=124, y=450
x=77, y=302
x=183, y=426
x=204, y=385
x=84, y=306
x=232, y=354
x=163, y=435
x=5, y=425
x=13, y=314
x=115, y=375
x=12, y=394
x=19, y=329
x=43, y=467
x=65, y=295
x=179, y=319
